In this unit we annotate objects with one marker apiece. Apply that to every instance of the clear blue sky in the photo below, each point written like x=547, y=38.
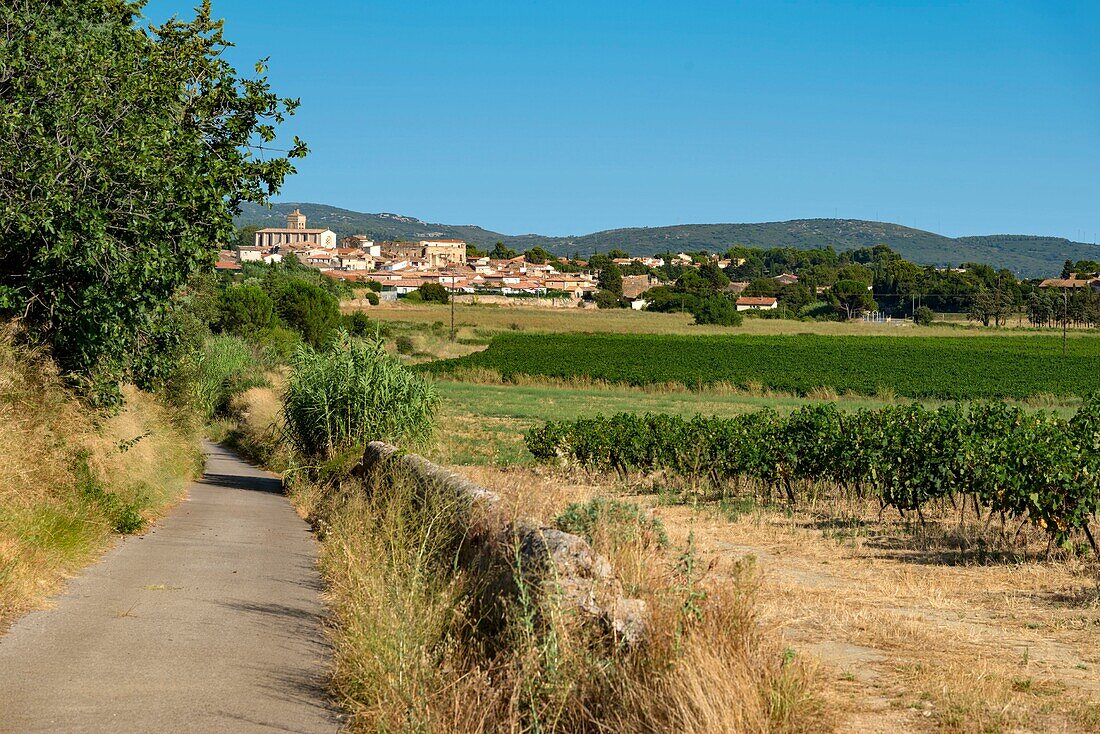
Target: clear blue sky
x=568, y=116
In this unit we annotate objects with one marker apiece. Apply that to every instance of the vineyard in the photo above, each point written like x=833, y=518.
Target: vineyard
x=949, y=368
x=995, y=458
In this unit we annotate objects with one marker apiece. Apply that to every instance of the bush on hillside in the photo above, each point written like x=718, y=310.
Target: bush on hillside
x=371, y=297
x=245, y=310
x=354, y=392
x=924, y=316
x=309, y=310
x=717, y=310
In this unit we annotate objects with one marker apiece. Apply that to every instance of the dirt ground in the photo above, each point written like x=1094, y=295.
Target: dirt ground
x=906, y=636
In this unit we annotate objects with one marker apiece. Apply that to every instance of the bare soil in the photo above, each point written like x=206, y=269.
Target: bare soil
x=908, y=632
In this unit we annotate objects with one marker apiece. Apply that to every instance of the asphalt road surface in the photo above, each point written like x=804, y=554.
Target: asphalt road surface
x=209, y=623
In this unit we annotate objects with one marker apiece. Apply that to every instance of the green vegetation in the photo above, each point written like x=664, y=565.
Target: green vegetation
x=309, y=310
x=625, y=521
x=919, y=367
x=71, y=476
x=1011, y=464
x=353, y=392
x=128, y=155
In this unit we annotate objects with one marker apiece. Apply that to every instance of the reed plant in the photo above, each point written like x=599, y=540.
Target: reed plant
x=352, y=392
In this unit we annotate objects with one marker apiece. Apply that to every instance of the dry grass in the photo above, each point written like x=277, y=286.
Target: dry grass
x=485, y=319
x=412, y=656
x=934, y=629
x=65, y=471
x=412, y=652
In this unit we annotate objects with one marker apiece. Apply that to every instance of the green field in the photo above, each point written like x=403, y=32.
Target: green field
x=949, y=368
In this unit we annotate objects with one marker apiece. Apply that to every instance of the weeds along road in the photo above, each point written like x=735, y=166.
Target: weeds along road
x=212, y=622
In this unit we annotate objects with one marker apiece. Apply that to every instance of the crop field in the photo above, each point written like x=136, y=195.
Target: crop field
x=949, y=368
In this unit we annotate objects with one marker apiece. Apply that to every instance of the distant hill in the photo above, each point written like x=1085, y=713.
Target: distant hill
x=1026, y=255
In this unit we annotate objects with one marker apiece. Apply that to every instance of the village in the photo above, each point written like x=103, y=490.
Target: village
x=403, y=267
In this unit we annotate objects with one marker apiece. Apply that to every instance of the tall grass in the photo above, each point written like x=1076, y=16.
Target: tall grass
x=423, y=644
x=70, y=477
x=354, y=392
x=226, y=366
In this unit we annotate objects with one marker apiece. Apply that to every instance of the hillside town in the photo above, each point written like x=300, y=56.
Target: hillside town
x=403, y=267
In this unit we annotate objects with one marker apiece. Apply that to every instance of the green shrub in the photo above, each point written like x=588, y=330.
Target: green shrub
x=374, y=285
x=414, y=297
x=818, y=310
x=624, y=522
x=607, y=299
x=309, y=310
x=434, y=293
x=371, y=297
x=276, y=344
x=359, y=324
x=354, y=392
x=405, y=345
x=924, y=316
x=245, y=309
x=717, y=310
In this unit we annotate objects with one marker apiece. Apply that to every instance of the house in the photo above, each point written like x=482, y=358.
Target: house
x=636, y=285
x=294, y=233
x=736, y=287
x=1071, y=283
x=786, y=279
x=757, y=303
x=362, y=242
x=639, y=304
x=251, y=254
x=435, y=253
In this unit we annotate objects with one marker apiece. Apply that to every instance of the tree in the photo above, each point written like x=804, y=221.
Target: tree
x=717, y=310
x=607, y=299
x=538, y=256
x=611, y=280
x=309, y=310
x=128, y=152
x=989, y=306
x=244, y=236
x=851, y=298
x=500, y=252
x=714, y=275
x=923, y=316
x=433, y=293
x=245, y=310
x=762, y=287
x=1041, y=309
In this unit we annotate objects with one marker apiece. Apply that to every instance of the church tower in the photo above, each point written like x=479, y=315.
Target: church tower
x=296, y=220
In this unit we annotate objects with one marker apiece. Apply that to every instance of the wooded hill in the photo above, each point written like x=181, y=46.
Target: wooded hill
x=1025, y=255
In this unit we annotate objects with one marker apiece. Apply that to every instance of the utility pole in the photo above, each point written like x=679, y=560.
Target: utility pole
x=452, y=308
x=1065, y=318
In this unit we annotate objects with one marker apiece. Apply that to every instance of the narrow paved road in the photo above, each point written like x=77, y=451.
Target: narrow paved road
x=209, y=623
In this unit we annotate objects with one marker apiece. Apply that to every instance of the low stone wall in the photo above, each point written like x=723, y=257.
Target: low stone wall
x=557, y=563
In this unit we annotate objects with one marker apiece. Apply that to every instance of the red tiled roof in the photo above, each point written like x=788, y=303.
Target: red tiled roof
x=756, y=301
